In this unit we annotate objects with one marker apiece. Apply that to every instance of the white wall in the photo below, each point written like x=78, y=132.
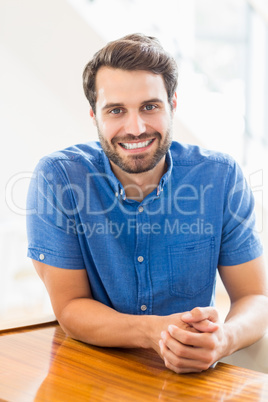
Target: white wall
x=44, y=45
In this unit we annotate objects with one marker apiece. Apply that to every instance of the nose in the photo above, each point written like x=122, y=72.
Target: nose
x=134, y=124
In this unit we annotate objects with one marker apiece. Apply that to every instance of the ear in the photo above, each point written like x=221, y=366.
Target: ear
x=174, y=103
x=92, y=115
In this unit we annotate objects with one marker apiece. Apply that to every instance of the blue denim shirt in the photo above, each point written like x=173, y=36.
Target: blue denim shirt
x=158, y=256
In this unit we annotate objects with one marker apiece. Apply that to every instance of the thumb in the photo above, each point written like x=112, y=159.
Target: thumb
x=205, y=326
x=200, y=314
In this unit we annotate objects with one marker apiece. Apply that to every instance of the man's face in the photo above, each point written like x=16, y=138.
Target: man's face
x=133, y=118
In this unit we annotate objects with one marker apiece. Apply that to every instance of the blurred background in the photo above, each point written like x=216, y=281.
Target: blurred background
x=222, y=51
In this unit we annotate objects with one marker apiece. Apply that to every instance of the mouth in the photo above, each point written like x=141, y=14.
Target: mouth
x=136, y=145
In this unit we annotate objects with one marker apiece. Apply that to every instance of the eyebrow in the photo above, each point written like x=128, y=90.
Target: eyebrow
x=111, y=105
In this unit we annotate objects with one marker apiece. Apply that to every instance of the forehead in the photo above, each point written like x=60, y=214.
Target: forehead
x=121, y=85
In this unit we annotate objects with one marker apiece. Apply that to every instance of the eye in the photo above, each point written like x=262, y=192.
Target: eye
x=116, y=111
x=149, y=107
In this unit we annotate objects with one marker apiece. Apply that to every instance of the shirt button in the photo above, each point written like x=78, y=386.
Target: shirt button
x=41, y=257
x=143, y=307
x=140, y=258
x=140, y=209
x=116, y=194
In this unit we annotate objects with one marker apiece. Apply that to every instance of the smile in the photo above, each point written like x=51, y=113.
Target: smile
x=136, y=145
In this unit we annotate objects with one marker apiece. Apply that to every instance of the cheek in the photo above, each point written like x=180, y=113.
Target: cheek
x=159, y=124
x=113, y=127
x=108, y=129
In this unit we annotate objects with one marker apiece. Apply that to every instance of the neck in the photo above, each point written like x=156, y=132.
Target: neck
x=138, y=185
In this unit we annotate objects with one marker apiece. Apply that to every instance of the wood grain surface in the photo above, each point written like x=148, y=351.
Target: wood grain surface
x=42, y=364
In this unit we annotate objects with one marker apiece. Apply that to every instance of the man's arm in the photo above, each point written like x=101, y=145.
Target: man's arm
x=246, y=322
x=80, y=316
x=92, y=322
x=247, y=287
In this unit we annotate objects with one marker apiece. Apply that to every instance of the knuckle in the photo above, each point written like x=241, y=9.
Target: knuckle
x=212, y=342
x=177, y=350
x=178, y=370
x=197, y=311
x=176, y=363
x=168, y=365
x=204, y=366
x=208, y=359
x=185, y=337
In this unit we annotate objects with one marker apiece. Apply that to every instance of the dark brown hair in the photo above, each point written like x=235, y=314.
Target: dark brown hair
x=132, y=52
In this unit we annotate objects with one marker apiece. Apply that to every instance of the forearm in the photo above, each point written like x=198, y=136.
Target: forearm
x=92, y=322
x=246, y=322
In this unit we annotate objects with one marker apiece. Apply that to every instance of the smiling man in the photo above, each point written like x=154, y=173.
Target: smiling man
x=133, y=117
x=133, y=145
x=128, y=233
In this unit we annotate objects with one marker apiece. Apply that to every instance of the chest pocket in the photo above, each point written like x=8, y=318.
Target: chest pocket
x=191, y=267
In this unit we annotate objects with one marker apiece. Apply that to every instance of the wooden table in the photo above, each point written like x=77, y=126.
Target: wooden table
x=42, y=364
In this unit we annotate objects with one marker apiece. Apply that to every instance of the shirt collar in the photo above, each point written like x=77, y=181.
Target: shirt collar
x=113, y=180
x=164, y=179
x=119, y=189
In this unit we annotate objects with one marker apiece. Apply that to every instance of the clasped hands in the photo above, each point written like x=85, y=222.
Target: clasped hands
x=195, y=343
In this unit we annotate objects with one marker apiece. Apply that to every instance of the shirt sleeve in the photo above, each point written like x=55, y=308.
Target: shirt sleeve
x=240, y=241
x=51, y=212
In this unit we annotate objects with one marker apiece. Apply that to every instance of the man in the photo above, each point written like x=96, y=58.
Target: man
x=127, y=234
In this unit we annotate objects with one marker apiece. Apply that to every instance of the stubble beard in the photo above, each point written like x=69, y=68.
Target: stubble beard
x=134, y=164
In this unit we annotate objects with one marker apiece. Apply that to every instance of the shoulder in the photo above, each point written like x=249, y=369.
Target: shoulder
x=186, y=154
x=88, y=154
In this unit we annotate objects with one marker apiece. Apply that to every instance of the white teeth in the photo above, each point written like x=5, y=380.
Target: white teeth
x=136, y=145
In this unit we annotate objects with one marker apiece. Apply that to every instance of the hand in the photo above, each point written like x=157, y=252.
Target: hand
x=156, y=324
x=185, y=350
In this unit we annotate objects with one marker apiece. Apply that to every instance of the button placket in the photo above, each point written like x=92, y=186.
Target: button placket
x=142, y=261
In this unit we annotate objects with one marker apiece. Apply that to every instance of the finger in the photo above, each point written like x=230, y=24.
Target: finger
x=199, y=314
x=204, y=340
x=180, y=364
x=205, y=326
x=205, y=352
x=182, y=370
